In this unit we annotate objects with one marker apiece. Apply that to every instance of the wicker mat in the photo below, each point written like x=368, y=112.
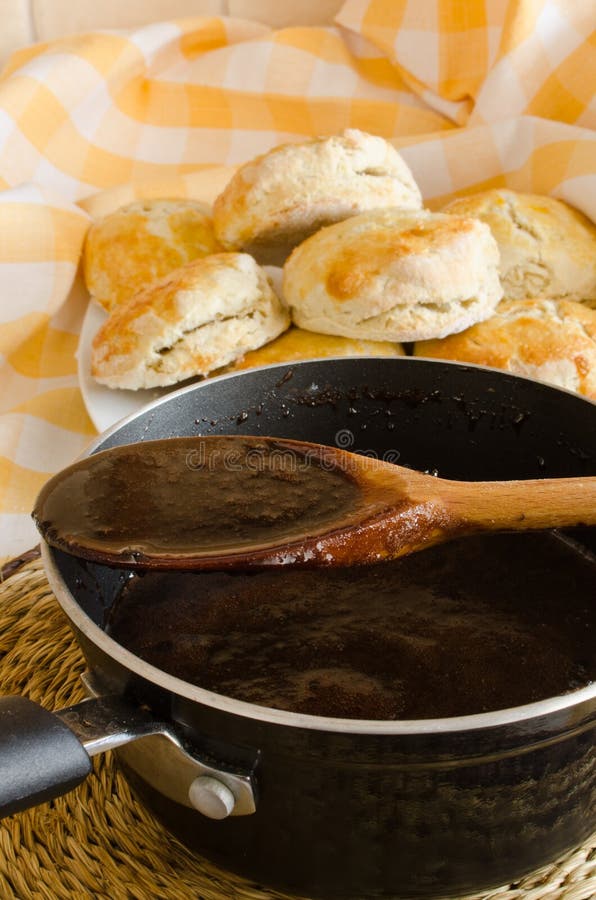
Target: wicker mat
x=98, y=841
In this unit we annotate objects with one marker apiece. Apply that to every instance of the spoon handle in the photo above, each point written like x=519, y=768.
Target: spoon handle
x=523, y=505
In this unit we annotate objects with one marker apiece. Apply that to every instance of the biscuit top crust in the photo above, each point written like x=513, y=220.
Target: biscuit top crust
x=313, y=182
x=382, y=244
x=394, y=274
x=140, y=243
x=537, y=216
x=201, y=317
x=364, y=258
x=547, y=247
x=552, y=340
x=297, y=344
x=172, y=298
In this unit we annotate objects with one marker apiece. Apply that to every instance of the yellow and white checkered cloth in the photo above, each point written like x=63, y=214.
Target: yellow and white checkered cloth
x=478, y=94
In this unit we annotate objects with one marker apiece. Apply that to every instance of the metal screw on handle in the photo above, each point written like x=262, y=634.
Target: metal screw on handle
x=211, y=797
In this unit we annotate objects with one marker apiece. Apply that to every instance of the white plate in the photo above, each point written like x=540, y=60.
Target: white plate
x=107, y=405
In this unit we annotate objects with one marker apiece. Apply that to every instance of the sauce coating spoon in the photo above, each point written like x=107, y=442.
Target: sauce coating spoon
x=220, y=502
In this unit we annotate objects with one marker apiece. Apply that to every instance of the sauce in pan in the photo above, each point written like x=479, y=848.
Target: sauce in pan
x=481, y=624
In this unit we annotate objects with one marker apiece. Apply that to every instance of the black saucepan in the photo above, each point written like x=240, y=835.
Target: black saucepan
x=318, y=806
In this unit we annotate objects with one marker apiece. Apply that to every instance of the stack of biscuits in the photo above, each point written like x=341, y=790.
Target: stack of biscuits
x=498, y=278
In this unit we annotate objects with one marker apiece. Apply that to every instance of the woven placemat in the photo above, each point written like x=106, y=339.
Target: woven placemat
x=99, y=841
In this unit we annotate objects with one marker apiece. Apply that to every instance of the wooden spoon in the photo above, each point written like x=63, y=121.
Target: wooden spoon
x=234, y=501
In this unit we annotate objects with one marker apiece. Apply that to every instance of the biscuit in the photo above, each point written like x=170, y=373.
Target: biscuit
x=545, y=339
x=391, y=275
x=296, y=344
x=277, y=200
x=547, y=248
x=138, y=244
x=199, y=318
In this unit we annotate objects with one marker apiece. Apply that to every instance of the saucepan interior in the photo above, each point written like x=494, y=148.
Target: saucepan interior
x=460, y=422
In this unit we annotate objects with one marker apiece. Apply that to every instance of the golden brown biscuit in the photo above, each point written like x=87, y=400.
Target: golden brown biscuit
x=549, y=340
x=275, y=201
x=547, y=248
x=296, y=344
x=199, y=318
x=138, y=244
x=391, y=275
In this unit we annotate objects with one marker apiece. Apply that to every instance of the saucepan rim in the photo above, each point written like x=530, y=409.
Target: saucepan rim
x=478, y=721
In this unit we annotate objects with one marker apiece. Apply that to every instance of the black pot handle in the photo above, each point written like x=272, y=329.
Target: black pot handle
x=44, y=755
x=40, y=757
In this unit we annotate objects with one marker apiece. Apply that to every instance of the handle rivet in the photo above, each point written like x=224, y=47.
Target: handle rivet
x=211, y=797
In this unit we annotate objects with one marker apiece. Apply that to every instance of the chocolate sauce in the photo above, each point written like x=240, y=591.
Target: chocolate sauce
x=476, y=625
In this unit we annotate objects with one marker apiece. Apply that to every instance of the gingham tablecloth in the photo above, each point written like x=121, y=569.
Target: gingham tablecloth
x=476, y=94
